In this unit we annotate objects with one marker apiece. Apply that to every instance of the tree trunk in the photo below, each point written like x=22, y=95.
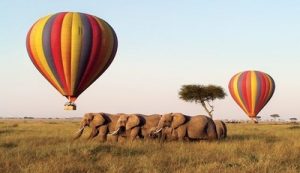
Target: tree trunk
x=209, y=112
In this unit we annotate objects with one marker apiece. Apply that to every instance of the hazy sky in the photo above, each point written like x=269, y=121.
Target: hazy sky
x=162, y=45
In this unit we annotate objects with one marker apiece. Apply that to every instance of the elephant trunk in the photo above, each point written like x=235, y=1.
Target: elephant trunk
x=79, y=132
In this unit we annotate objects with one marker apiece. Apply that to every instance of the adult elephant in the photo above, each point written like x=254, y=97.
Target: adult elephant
x=165, y=134
x=221, y=129
x=100, y=123
x=129, y=126
x=134, y=126
x=151, y=121
x=187, y=127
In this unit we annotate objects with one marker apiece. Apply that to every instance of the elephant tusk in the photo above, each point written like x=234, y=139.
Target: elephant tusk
x=115, y=132
x=79, y=130
x=158, y=130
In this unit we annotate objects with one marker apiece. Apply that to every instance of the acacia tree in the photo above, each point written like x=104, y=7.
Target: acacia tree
x=293, y=120
x=202, y=94
x=274, y=116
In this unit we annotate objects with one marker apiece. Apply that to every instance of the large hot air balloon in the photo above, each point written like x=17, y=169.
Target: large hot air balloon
x=251, y=90
x=71, y=50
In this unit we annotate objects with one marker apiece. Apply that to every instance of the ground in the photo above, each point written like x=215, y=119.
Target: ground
x=47, y=146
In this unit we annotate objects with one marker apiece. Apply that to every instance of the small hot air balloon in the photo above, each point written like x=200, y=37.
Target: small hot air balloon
x=251, y=90
x=71, y=50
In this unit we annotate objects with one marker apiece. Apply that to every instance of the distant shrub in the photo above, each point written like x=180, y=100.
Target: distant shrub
x=15, y=125
x=294, y=127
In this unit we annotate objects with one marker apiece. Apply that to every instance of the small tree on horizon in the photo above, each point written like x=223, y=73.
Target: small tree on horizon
x=293, y=119
x=258, y=118
x=274, y=116
x=202, y=94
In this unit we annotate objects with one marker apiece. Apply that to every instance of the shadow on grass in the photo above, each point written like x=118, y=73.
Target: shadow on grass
x=6, y=131
x=8, y=145
x=246, y=137
x=116, y=150
x=294, y=127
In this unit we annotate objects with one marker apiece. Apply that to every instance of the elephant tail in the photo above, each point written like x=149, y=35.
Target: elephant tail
x=225, y=129
x=211, y=130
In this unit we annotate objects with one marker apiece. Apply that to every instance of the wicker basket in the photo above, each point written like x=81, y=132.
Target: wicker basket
x=70, y=107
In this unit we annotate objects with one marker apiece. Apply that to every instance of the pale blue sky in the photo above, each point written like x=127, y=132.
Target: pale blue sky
x=162, y=45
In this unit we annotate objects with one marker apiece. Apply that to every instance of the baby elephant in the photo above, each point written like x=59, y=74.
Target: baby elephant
x=221, y=129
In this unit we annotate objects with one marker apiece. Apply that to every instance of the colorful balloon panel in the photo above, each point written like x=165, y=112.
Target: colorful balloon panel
x=251, y=90
x=71, y=50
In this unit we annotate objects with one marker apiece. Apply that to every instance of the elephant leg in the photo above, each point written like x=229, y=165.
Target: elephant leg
x=102, y=133
x=211, y=132
x=181, y=133
x=112, y=138
x=93, y=133
x=134, y=133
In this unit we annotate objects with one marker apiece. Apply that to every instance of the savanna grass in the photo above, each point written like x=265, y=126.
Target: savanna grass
x=47, y=146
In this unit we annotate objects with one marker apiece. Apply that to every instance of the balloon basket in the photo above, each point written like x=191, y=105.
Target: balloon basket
x=70, y=106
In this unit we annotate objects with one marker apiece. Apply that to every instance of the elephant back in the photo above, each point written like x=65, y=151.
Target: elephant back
x=151, y=120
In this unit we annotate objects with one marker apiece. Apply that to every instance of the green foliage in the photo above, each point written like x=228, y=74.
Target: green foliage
x=201, y=93
x=275, y=115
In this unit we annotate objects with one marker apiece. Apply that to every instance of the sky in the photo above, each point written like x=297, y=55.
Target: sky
x=162, y=46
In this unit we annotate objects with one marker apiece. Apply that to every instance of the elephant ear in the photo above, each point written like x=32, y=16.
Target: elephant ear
x=98, y=119
x=133, y=121
x=178, y=120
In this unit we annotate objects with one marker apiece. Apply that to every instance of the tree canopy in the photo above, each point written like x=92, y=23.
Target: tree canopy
x=202, y=94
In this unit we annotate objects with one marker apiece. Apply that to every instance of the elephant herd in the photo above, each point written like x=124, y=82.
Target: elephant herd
x=167, y=127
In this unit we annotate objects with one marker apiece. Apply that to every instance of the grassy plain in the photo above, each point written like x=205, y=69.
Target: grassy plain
x=46, y=146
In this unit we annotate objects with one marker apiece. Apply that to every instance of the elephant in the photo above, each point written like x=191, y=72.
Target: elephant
x=100, y=123
x=151, y=121
x=221, y=129
x=188, y=127
x=166, y=134
x=134, y=126
x=129, y=126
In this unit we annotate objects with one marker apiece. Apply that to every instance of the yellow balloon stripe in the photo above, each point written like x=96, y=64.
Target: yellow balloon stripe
x=66, y=48
x=253, y=80
x=75, y=48
x=36, y=42
x=236, y=92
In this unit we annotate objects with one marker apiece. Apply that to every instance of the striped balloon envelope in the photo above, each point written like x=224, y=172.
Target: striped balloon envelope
x=251, y=90
x=71, y=50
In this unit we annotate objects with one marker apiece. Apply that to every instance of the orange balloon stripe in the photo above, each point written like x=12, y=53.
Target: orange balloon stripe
x=254, y=86
x=248, y=92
